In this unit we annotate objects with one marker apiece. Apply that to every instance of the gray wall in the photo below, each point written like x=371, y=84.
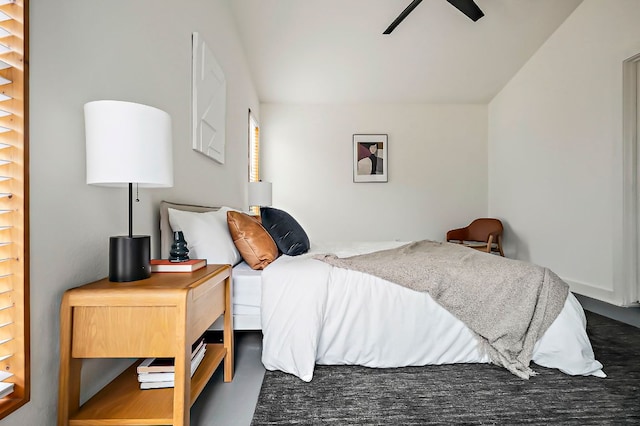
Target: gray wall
x=140, y=51
x=437, y=168
x=556, y=151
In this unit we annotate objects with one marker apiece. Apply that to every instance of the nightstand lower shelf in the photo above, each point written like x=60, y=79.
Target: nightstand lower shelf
x=122, y=402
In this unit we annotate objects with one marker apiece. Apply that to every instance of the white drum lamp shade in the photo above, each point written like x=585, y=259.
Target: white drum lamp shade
x=259, y=194
x=126, y=144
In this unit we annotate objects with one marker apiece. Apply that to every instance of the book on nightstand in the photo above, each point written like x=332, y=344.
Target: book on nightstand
x=166, y=365
x=165, y=265
x=157, y=385
x=156, y=380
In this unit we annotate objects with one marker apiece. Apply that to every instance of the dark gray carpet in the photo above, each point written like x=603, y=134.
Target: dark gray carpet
x=464, y=394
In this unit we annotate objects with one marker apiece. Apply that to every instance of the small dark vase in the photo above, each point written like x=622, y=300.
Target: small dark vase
x=179, y=251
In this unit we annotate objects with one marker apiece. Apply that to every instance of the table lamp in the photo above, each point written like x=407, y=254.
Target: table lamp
x=259, y=194
x=128, y=143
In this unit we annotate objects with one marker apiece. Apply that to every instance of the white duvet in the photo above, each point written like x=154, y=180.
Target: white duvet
x=314, y=313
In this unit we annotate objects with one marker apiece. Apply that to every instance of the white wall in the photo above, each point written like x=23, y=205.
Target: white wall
x=555, y=149
x=136, y=51
x=437, y=169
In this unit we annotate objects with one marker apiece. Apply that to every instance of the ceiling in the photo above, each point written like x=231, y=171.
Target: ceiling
x=333, y=51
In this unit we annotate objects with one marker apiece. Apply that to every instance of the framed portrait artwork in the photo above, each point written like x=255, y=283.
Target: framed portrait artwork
x=370, y=158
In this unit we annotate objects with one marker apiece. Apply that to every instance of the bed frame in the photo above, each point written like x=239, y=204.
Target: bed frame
x=240, y=322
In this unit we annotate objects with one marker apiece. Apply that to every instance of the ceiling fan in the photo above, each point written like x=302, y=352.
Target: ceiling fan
x=468, y=7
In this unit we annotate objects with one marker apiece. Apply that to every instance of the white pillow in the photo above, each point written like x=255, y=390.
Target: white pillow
x=207, y=235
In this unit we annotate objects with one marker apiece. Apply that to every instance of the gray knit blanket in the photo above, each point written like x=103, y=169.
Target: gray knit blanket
x=507, y=303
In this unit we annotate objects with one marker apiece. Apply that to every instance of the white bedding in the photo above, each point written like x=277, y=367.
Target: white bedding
x=246, y=297
x=315, y=313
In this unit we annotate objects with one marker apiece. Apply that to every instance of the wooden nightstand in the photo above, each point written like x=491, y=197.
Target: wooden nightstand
x=157, y=317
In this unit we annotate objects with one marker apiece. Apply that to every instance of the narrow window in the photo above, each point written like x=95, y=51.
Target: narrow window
x=254, y=154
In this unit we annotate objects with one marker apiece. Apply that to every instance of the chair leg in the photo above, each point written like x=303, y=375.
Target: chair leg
x=500, y=245
x=489, y=244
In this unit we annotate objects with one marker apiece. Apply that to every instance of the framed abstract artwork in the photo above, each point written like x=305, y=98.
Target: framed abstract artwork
x=370, y=158
x=209, y=97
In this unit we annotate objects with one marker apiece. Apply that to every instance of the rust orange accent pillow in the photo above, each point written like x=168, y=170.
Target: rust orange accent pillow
x=254, y=243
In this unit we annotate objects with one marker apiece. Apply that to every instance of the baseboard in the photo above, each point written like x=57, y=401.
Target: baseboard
x=591, y=291
x=629, y=315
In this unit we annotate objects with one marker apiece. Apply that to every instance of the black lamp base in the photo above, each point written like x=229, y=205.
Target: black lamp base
x=129, y=258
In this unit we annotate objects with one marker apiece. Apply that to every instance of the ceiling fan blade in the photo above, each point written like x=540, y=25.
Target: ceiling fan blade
x=401, y=17
x=469, y=8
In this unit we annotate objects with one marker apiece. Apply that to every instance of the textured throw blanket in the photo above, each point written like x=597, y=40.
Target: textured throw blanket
x=507, y=303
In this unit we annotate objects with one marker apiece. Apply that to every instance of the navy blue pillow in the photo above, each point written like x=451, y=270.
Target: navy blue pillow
x=285, y=231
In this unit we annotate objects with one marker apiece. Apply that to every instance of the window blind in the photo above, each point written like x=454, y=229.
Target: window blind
x=254, y=149
x=14, y=313
x=254, y=154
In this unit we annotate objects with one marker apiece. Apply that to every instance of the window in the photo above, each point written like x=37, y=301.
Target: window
x=254, y=154
x=14, y=207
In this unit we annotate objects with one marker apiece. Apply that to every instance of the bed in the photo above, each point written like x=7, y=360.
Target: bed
x=246, y=282
x=311, y=312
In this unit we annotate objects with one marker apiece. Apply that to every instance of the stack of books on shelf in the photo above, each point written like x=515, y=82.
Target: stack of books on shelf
x=155, y=373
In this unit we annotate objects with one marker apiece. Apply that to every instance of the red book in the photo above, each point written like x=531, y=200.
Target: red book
x=165, y=265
